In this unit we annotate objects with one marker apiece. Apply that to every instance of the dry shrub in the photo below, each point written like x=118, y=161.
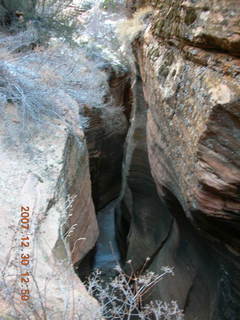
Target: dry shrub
x=50, y=76
x=47, y=17
x=5, y=55
x=122, y=297
x=12, y=10
x=43, y=85
x=114, y=119
x=130, y=29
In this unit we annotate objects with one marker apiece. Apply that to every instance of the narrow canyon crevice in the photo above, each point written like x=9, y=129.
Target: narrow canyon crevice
x=126, y=150
x=152, y=222
x=103, y=133
x=165, y=169
x=105, y=139
x=149, y=225
x=192, y=146
x=136, y=231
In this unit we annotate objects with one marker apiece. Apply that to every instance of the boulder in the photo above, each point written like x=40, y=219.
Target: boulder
x=50, y=179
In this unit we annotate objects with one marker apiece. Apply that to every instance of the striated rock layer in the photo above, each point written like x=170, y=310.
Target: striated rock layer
x=189, y=66
x=138, y=235
x=107, y=129
x=105, y=136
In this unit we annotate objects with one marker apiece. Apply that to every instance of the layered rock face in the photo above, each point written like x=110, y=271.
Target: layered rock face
x=189, y=65
x=107, y=129
x=138, y=236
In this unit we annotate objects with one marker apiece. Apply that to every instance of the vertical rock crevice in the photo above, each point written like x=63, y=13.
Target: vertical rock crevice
x=107, y=129
x=105, y=137
x=181, y=160
x=137, y=233
x=178, y=194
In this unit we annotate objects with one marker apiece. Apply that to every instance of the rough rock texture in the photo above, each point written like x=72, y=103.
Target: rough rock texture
x=137, y=236
x=40, y=177
x=107, y=129
x=189, y=65
x=105, y=136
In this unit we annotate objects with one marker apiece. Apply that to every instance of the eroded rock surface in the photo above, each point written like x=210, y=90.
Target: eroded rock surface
x=190, y=72
x=105, y=137
x=138, y=237
x=107, y=129
x=42, y=176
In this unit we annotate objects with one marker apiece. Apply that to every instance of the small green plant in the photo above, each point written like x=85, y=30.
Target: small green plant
x=122, y=297
x=109, y=4
x=56, y=18
x=12, y=11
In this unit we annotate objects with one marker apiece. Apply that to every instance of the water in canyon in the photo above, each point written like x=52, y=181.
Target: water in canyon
x=106, y=252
